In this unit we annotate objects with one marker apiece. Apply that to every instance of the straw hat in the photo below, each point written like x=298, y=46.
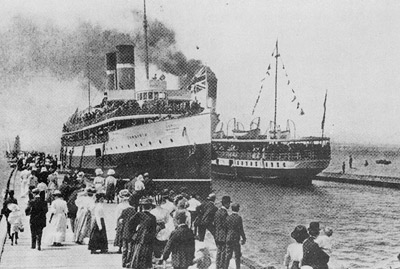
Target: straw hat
x=42, y=186
x=35, y=191
x=44, y=169
x=98, y=172
x=124, y=194
x=57, y=193
x=81, y=174
x=13, y=207
x=111, y=172
x=140, y=177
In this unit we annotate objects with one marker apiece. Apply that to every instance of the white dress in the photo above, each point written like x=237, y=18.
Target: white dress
x=58, y=224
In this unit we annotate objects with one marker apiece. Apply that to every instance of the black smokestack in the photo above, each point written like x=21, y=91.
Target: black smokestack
x=125, y=67
x=111, y=65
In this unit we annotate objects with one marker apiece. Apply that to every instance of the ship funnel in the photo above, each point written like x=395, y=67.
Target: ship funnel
x=126, y=67
x=111, y=65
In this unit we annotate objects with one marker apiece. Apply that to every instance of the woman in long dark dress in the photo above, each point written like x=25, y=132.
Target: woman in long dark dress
x=98, y=236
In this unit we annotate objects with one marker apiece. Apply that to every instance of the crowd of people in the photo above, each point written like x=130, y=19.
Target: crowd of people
x=312, y=248
x=151, y=224
x=110, y=109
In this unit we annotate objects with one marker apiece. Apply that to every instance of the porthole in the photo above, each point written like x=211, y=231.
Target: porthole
x=256, y=163
x=284, y=164
x=159, y=141
x=141, y=144
x=129, y=146
x=277, y=164
x=272, y=164
x=135, y=145
x=251, y=163
x=266, y=164
x=171, y=140
x=246, y=163
x=149, y=143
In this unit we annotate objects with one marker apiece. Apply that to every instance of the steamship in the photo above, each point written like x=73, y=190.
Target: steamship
x=274, y=157
x=166, y=132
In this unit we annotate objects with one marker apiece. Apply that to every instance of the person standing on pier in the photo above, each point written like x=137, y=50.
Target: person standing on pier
x=181, y=244
x=83, y=222
x=123, y=197
x=37, y=209
x=350, y=162
x=343, y=167
x=221, y=231
x=98, y=235
x=58, y=219
x=313, y=255
x=206, y=214
x=142, y=227
x=235, y=231
x=25, y=181
x=111, y=182
x=294, y=253
x=98, y=180
x=6, y=211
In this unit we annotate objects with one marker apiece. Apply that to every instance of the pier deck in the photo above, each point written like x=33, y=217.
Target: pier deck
x=372, y=180
x=71, y=255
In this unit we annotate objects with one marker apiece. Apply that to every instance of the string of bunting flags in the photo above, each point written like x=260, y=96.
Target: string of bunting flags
x=267, y=74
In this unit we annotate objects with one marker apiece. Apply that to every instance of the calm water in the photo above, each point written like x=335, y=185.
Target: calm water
x=364, y=219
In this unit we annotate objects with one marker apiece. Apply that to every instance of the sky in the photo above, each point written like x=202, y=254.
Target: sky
x=347, y=48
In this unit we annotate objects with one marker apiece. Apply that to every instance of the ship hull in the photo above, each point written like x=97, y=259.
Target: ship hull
x=170, y=149
x=294, y=173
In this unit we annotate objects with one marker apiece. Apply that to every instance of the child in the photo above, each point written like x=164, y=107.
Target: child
x=203, y=261
x=15, y=220
x=324, y=240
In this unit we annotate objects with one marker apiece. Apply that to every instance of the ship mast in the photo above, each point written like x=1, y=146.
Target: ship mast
x=88, y=77
x=145, y=40
x=276, y=85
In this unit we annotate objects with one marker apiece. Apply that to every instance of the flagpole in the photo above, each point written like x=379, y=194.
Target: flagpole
x=323, y=117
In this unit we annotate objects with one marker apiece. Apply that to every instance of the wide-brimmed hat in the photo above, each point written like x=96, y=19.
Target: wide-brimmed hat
x=211, y=196
x=98, y=172
x=140, y=177
x=124, y=194
x=81, y=174
x=13, y=207
x=146, y=174
x=313, y=229
x=299, y=233
x=42, y=186
x=146, y=201
x=44, y=169
x=111, y=172
x=90, y=191
x=35, y=191
x=57, y=193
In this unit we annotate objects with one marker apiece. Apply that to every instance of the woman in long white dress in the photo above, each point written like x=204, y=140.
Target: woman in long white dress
x=58, y=219
x=99, y=181
x=83, y=221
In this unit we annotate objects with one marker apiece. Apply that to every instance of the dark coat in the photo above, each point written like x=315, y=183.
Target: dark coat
x=206, y=212
x=142, y=228
x=220, y=225
x=234, y=225
x=126, y=215
x=182, y=245
x=37, y=209
x=313, y=255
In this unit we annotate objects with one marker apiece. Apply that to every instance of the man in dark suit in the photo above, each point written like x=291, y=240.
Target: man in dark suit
x=235, y=231
x=142, y=227
x=181, y=244
x=37, y=209
x=206, y=213
x=313, y=255
x=220, y=231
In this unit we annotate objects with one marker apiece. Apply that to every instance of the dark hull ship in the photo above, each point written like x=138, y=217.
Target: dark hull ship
x=275, y=157
x=155, y=129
